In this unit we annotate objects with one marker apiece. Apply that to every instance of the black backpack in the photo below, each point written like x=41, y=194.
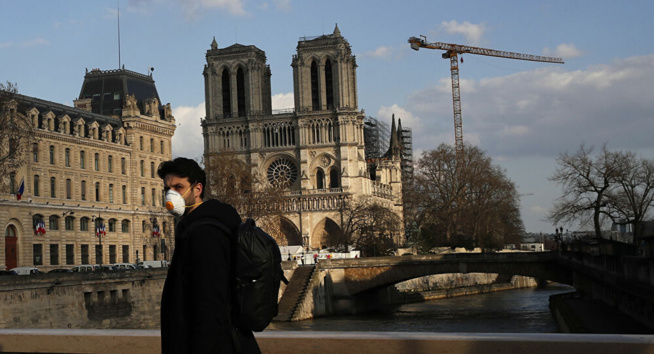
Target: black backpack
x=257, y=272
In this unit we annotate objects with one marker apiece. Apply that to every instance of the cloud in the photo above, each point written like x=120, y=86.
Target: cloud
x=284, y=5
x=187, y=140
x=473, y=33
x=383, y=53
x=283, y=100
x=36, y=42
x=566, y=51
x=6, y=45
x=546, y=111
x=193, y=8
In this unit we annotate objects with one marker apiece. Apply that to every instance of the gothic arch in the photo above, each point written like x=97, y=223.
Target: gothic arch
x=13, y=233
x=325, y=234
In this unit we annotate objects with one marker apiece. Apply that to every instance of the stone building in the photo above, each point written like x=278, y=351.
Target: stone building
x=316, y=151
x=91, y=165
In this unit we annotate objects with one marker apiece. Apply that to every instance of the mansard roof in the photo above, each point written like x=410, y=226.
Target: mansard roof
x=107, y=89
x=27, y=103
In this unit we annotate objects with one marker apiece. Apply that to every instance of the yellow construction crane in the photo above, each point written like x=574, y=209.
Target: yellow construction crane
x=452, y=52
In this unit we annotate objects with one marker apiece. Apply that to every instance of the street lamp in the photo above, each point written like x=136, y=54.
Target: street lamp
x=98, y=233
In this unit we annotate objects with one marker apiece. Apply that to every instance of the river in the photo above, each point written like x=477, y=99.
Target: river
x=512, y=311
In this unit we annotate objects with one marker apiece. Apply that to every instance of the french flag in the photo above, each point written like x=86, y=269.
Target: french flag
x=21, y=189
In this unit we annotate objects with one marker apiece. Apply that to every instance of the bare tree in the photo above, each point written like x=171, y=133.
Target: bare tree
x=587, y=184
x=630, y=202
x=16, y=133
x=474, y=205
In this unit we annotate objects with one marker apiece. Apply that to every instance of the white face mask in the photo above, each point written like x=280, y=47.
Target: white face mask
x=175, y=202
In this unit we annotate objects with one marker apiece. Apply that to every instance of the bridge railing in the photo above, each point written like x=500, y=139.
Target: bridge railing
x=273, y=342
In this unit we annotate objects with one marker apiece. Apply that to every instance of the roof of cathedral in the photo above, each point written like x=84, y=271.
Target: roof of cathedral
x=395, y=145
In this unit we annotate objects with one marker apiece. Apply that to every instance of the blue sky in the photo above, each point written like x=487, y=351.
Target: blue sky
x=523, y=114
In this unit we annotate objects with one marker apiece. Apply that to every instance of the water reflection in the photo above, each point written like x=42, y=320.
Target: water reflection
x=515, y=311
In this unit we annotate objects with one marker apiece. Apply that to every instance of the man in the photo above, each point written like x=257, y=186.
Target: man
x=197, y=296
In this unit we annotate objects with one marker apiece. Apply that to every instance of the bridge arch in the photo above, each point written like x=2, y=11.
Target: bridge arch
x=282, y=230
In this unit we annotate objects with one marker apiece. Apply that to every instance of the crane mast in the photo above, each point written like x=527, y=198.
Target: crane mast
x=452, y=52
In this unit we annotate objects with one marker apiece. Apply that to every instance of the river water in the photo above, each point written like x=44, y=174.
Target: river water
x=511, y=311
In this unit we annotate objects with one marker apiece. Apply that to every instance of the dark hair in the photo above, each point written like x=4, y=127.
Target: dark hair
x=184, y=168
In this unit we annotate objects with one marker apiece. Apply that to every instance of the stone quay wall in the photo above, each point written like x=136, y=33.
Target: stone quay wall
x=118, y=300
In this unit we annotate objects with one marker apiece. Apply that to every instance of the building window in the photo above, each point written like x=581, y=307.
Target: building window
x=37, y=252
x=36, y=185
x=151, y=169
x=53, y=187
x=35, y=152
x=125, y=226
x=96, y=162
x=54, y=222
x=69, y=188
x=52, y=154
x=161, y=146
x=110, y=164
x=227, y=94
x=142, y=195
x=145, y=252
x=54, y=254
x=151, y=145
x=67, y=157
x=12, y=183
x=154, y=191
x=125, y=254
x=97, y=191
x=112, y=253
x=142, y=168
x=83, y=189
x=141, y=142
x=84, y=251
x=143, y=226
x=70, y=223
x=82, y=162
x=84, y=224
x=70, y=254
x=123, y=166
x=112, y=227
x=111, y=193
x=124, y=194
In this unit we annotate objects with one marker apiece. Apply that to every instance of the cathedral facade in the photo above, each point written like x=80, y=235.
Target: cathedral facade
x=315, y=152
x=90, y=193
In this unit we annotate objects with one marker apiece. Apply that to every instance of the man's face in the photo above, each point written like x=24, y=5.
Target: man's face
x=180, y=185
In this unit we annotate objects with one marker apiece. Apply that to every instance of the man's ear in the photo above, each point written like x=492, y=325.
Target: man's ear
x=198, y=188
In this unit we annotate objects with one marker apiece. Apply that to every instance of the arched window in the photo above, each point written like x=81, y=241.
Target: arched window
x=151, y=145
x=334, y=180
x=161, y=146
x=141, y=142
x=152, y=170
x=52, y=154
x=84, y=224
x=125, y=225
x=69, y=188
x=112, y=225
x=54, y=222
x=240, y=92
x=320, y=179
x=123, y=165
x=70, y=223
x=329, y=85
x=110, y=163
x=96, y=162
x=315, y=88
x=227, y=94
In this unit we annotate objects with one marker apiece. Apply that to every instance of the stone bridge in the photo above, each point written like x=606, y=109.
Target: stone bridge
x=350, y=277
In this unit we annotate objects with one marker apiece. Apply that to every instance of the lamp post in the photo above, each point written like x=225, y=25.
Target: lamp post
x=99, y=235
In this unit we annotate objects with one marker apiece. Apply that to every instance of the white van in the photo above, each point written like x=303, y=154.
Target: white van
x=124, y=266
x=152, y=264
x=85, y=268
x=26, y=270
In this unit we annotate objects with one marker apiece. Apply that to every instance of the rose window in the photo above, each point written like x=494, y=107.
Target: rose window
x=282, y=173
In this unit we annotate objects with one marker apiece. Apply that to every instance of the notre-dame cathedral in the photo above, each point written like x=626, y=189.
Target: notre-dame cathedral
x=316, y=151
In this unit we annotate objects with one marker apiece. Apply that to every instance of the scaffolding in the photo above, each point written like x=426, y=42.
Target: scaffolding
x=376, y=136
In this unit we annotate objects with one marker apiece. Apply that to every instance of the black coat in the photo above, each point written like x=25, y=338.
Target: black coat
x=195, y=304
